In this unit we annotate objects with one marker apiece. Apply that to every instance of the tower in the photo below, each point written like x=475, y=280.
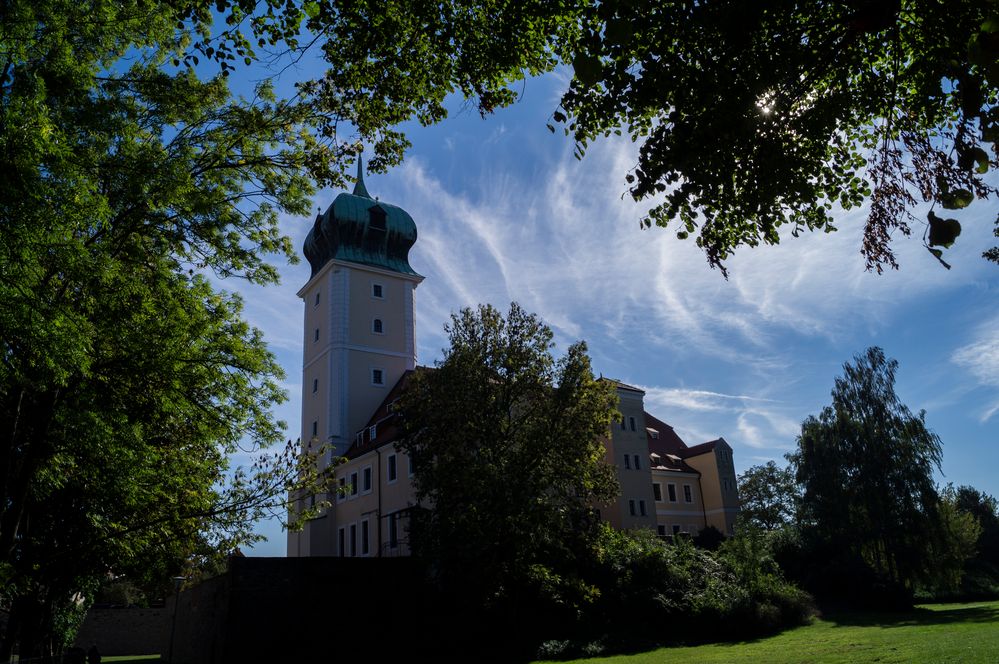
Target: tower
x=359, y=327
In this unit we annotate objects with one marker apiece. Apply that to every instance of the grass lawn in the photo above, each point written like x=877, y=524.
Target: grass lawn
x=934, y=633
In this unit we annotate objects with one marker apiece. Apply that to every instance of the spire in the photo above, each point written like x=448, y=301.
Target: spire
x=359, y=188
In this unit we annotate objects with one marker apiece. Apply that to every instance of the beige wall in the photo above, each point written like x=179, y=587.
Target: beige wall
x=628, y=443
x=377, y=506
x=339, y=394
x=721, y=498
x=678, y=512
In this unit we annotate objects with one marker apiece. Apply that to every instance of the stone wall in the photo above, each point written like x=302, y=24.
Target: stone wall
x=124, y=631
x=302, y=609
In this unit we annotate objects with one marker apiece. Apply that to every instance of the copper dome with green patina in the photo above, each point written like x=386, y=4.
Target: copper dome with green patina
x=359, y=229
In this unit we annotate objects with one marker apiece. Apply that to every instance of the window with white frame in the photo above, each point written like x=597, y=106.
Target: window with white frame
x=366, y=479
x=391, y=471
x=393, y=531
x=353, y=484
x=365, y=546
x=377, y=291
x=353, y=539
x=688, y=494
x=377, y=327
x=671, y=490
x=657, y=491
x=378, y=377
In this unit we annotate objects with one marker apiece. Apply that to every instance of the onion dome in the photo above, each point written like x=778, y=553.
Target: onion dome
x=359, y=229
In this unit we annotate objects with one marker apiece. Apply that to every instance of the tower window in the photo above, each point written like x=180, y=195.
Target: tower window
x=317, y=299
x=315, y=428
x=376, y=326
x=315, y=385
x=315, y=337
x=641, y=507
x=631, y=422
x=631, y=507
x=377, y=291
x=376, y=218
x=637, y=465
x=627, y=462
x=377, y=377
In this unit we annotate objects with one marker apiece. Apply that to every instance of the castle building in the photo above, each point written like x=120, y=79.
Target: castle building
x=359, y=347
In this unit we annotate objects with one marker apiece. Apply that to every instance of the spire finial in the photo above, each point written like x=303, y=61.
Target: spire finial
x=359, y=188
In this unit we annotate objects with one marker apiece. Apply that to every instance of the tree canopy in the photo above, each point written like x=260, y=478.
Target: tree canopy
x=127, y=378
x=866, y=467
x=768, y=496
x=749, y=117
x=753, y=116
x=508, y=458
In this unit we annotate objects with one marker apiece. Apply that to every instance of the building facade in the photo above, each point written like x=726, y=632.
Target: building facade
x=360, y=346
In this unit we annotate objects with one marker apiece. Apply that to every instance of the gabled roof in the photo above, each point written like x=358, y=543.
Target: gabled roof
x=622, y=386
x=385, y=421
x=668, y=441
x=670, y=462
x=698, y=450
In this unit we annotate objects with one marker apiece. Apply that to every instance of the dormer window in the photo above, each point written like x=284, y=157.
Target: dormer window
x=376, y=218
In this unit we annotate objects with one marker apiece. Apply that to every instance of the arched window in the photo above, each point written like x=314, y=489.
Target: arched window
x=376, y=326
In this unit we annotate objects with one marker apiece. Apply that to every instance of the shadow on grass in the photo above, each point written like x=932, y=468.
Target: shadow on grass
x=920, y=616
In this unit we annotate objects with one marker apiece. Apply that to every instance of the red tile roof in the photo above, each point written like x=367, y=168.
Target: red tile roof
x=668, y=441
x=385, y=421
x=698, y=450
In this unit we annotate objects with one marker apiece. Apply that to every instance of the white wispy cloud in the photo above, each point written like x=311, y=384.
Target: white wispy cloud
x=980, y=358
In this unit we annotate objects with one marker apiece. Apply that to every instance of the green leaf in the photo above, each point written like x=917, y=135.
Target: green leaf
x=943, y=232
x=587, y=68
x=957, y=199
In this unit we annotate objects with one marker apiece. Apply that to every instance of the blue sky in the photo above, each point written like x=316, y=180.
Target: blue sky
x=505, y=212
